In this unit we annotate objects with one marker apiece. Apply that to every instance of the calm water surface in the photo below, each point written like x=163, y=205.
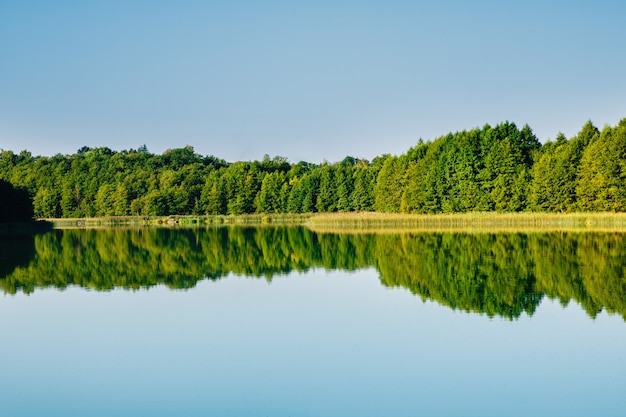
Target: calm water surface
x=287, y=322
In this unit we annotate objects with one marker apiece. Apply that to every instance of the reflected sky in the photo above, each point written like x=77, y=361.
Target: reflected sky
x=318, y=343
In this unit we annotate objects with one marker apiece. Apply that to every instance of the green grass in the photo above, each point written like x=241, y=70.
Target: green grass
x=344, y=222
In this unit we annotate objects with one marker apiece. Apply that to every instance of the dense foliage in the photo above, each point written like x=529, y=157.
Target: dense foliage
x=495, y=274
x=499, y=168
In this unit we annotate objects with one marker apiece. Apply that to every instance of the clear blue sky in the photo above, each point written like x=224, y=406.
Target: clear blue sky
x=309, y=80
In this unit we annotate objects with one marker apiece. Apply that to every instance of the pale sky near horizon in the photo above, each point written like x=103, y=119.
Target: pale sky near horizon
x=307, y=80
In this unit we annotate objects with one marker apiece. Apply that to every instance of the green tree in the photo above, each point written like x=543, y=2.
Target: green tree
x=103, y=201
x=270, y=196
x=47, y=203
x=555, y=174
x=213, y=196
x=344, y=180
x=327, y=194
x=421, y=191
x=390, y=184
x=602, y=174
x=363, y=194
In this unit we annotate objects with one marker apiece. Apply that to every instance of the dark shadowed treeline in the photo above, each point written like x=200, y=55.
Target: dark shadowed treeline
x=15, y=204
x=504, y=274
x=499, y=168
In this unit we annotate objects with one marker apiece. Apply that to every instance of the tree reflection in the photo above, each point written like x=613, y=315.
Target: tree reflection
x=15, y=251
x=504, y=274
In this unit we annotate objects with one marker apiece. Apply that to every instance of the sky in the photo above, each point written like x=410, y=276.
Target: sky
x=306, y=80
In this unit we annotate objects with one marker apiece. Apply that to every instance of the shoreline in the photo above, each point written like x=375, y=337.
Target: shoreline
x=25, y=228
x=354, y=222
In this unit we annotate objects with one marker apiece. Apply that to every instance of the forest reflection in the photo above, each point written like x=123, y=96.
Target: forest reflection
x=500, y=274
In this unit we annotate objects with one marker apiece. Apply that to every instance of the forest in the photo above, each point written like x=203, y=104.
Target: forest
x=496, y=274
x=501, y=169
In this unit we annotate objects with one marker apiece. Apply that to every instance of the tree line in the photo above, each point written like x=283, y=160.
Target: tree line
x=501, y=168
x=504, y=274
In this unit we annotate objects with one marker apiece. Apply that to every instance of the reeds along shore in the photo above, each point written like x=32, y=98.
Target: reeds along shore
x=372, y=221
x=477, y=221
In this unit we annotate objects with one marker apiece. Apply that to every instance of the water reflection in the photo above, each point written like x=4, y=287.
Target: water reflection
x=15, y=251
x=494, y=274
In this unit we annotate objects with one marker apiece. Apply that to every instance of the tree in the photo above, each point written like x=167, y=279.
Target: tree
x=345, y=186
x=555, y=173
x=103, y=203
x=504, y=177
x=269, y=200
x=327, y=195
x=47, y=203
x=363, y=194
x=602, y=174
x=390, y=185
x=213, y=196
x=421, y=191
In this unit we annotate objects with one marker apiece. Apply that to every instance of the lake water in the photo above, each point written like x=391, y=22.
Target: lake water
x=288, y=322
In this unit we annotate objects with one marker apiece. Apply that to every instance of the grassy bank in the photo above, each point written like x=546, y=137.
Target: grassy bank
x=386, y=222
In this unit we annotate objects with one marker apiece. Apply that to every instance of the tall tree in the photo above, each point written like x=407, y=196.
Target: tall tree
x=390, y=184
x=602, y=174
x=327, y=195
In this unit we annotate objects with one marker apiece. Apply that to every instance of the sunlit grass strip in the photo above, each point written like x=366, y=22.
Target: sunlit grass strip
x=395, y=222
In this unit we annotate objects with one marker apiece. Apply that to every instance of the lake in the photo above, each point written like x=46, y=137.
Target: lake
x=283, y=321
